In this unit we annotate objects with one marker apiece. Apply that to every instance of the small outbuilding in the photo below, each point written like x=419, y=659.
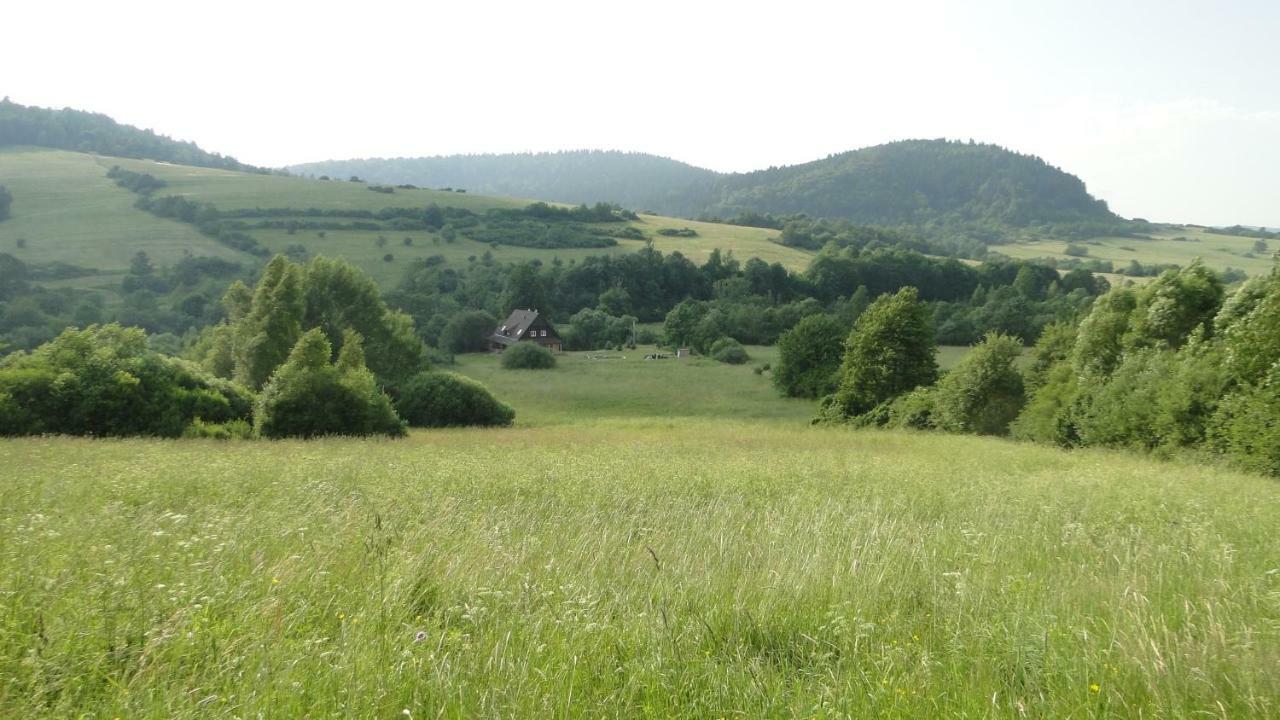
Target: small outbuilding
x=525, y=326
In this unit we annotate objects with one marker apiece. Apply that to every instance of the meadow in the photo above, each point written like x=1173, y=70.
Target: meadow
x=1173, y=245
x=651, y=539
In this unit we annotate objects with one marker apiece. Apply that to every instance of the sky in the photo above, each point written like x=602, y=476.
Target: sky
x=1167, y=109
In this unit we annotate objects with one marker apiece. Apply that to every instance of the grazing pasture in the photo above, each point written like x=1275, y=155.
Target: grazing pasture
x=652, y=539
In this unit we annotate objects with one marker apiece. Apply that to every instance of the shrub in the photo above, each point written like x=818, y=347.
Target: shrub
x=444, y=399
x=233, y=430
x=308, y=396
x=104, y=380
x=527, y=356
x=809, y=357
x=984, y=393
x=729, y=351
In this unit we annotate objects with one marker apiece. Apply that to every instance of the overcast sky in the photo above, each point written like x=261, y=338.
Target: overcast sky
x=1168, y=109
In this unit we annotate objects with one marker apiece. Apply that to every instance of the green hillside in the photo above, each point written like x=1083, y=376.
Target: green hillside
x=66, y=210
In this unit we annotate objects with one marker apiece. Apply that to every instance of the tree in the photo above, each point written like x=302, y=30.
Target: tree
x=272, y=325
x=308, y=396
x=890, y=352
x=468, y=332
x=1168, y=309
x=984, y=392
x=809, y=357
x=525, y=289
x=6, y=201
x=141, y=264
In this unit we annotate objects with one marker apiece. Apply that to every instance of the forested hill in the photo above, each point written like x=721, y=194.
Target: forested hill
x=634, y=180
x=921, y=183
x=81, y=131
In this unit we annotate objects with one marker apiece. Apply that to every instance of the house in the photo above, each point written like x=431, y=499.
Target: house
x=525, y=325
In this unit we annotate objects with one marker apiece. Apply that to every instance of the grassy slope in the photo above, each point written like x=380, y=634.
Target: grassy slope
x=669, y=567
x=68, y=211
x=1217, y=251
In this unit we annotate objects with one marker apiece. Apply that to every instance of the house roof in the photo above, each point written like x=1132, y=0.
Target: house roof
x=515, y=326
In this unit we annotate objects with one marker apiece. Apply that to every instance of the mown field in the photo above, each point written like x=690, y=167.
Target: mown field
x=652, y=539
x=1177, y=246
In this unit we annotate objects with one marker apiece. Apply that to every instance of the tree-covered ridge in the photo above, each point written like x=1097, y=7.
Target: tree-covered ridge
x=919, y=183
x=935, y=185
x=93, y=132
x=635, y=180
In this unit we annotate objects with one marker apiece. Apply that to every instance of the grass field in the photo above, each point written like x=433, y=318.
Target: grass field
x=1178, y=246
x=653, y=539
x=68, y=211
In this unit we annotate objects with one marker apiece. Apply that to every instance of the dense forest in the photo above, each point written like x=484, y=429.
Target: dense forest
x=81, y=131
x=938, y=187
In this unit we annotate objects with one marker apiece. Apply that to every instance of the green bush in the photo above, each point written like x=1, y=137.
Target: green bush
x=527, y=356
x=233, y=430
x=468, y=332
x=444, y=399
x=729, y=351
x=308, y=396
x=891, y=351
x=984, y=393
x=809, y=357
x=104, y=380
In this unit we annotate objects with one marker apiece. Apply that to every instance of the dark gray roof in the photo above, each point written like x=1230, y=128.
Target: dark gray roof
x=514, y=328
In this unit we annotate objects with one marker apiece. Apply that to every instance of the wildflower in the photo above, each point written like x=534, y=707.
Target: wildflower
x=422, y=635
x=342, y=616
x=1094, y=688
x=275, y=581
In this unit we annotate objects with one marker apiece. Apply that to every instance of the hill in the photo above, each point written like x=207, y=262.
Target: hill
x=633, y=180
x=928, y=184
x=81, y=131
x=65, y=210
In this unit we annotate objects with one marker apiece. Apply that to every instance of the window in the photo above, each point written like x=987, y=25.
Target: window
x=544, y=333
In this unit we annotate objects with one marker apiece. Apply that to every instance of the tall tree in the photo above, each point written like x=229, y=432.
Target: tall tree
x=890, y=351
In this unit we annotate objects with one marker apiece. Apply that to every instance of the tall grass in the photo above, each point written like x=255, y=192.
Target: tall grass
x=632, y=568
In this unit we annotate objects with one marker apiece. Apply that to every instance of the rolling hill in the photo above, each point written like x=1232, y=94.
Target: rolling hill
x=918, y=183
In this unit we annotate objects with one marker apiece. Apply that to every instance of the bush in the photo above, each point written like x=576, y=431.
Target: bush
x=984, y=393
x=444, y=399
x=809, y=357
x=527, y=356
x=104, y=380
x=890, y=352
x=233, y=430
x=308, y=396
x=729, y=351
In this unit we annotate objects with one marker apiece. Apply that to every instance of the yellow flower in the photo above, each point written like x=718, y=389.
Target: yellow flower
x=275, y=581
x=1094, y=688
x=341, y=616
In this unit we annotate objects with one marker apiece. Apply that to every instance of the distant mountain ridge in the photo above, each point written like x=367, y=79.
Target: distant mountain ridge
x=920, y=183
x=81, y=131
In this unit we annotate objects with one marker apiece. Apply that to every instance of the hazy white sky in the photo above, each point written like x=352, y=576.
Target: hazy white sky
x=1168, y=109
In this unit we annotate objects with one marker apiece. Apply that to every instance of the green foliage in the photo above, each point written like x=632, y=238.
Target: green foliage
x=1246, y=428
x=443, y=399
x=890, y=352
x=104, y=381
x=1100, y=340
x=1178, y=302
x=468, y=332
x=591, y=329
x=984, y=393
x=729, y=351
x=91, y=132
x=809, y=357
x=263, y=326
x=232, y=430
x=308, y=396
x=6, y=202
x=527, y=356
